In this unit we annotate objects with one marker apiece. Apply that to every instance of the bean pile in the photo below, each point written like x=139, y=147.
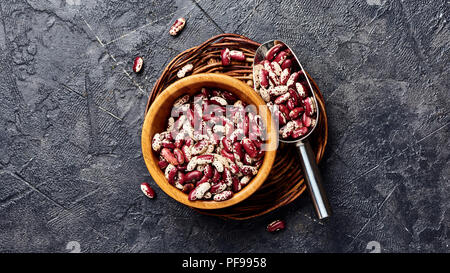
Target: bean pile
x=211, y=148
x=280, y=82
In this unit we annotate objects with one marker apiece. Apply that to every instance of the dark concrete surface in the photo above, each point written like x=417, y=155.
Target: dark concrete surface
x=71, y=111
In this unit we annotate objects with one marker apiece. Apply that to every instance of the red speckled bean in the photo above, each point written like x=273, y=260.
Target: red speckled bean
x=193, y=176
x=181, y=177
x=294, y=96
x=296, y=112
x=306, y=120
x=284, y=76
x=236, y=184
x=286, y=131
x=227, y=177
x=281, y=118
x=137, y=65
x=199, y=147
x=276, y=68
x=302, y=90
x=170, y=173
x=227, y=154
x=162, y=164
x=227, y=144
x=249, y=170
x=179, y=155
x=187, y=188
x=281, y=57
x=293, y=79
x=225, y=56
x=237, y=150
x=283, y=98
x=168, y=144
x=209, y=171
x=199, y=191
x=310, y=107
x=286, y=64
x=204, y=179
x=216, y=176
x=169, y=156
x=225, y=195
x=290, y=104
x=276, y=226
x=234, y=168
x=177, y=26
x=218, y=188
x=283, y=109
x=263, y=78
x=237, y=55
x=273, y=51
x=296, y=133
x=147, y=190
x=187, y=153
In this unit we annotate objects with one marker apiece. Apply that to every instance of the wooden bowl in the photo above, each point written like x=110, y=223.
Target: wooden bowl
x=156, y=121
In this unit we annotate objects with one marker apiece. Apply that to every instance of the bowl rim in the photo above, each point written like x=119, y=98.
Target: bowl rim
x=158, y=175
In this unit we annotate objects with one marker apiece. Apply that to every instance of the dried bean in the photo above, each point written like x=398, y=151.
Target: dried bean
x=225, y=56
x=187, y=188
x=177, y=26
x=276, y=225
x=179, y=155
x=237, y=55
x=218, y=188
x=296, y=112
x=263, y=78
x=137, y=65
x=286, y=64
x=273, y=51
x=301, y=89
x=162, y=164
x=281, y=57
x=306, y=120
x=169, y=156
x=283, y=98
x=147, y=190
x=199, y=191
x=225, y=195
x=185, y=69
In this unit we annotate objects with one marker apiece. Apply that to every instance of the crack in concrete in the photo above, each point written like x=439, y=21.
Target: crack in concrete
x=375, y=214
x=19, y=177
x=433, y=133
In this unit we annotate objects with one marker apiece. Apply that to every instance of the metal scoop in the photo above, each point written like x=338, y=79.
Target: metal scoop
x=310, y=169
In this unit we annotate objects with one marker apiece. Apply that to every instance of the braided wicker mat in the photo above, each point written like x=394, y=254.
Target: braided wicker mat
x=285, y=182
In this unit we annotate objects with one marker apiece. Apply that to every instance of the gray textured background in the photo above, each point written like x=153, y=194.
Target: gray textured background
x=71, y=111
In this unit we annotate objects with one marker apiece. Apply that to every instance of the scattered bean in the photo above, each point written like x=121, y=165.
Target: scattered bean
x=177, y=26
x=137, y=65
x=147, y=190
x=276, y=225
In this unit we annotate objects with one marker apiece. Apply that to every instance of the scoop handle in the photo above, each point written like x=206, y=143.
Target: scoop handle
x=314, y=180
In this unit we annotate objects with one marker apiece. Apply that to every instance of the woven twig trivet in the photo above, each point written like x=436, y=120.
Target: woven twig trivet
x=285, y=182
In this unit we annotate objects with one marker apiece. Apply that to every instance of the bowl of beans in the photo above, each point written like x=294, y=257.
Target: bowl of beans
x=209, y=141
